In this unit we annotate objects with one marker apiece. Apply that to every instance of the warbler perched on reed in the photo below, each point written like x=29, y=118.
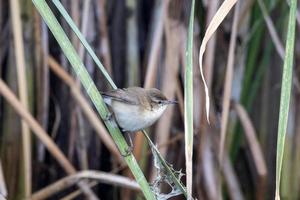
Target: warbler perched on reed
x=136, y=108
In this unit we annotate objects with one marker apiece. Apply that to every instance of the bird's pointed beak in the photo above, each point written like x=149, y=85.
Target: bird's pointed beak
x=171, y=102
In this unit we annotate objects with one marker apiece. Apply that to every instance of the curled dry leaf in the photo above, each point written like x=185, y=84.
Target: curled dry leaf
x=212, y=27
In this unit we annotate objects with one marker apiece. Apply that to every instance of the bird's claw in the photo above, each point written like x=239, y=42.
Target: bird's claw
x=128, y=151
x=108, y=116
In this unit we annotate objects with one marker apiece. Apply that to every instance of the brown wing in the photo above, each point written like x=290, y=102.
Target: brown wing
x=124, y=95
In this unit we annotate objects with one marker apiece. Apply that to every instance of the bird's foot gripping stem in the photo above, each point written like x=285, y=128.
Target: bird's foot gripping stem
x=108, y=116
x=128, y=151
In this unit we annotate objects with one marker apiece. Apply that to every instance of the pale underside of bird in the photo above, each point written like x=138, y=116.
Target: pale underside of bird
x=136, y=108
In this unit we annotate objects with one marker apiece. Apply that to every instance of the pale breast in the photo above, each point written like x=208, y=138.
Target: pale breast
x=153, y=115
x=132, y=118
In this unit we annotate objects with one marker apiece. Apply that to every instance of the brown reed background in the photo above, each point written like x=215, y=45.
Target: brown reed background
x=143, y=43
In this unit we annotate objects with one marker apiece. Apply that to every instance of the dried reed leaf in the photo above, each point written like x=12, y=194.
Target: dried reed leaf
x=212, y=27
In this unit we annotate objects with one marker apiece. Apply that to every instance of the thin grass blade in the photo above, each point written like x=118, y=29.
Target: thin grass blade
x=285, y=94
x=188, y=105
x=71, y=23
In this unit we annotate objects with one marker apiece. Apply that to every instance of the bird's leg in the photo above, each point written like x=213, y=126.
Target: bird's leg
x=130, y=141
x=129, y=150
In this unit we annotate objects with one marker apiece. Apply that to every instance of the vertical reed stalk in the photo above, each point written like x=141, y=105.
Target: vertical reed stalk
x=23, y=94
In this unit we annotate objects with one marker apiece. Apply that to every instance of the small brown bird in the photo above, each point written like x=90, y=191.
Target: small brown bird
x=136, y=108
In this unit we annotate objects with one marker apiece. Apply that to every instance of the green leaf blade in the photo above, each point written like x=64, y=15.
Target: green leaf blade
x=188, y=105
x=285, y=94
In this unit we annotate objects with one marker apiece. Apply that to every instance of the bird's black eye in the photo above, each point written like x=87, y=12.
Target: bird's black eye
x=159, y=102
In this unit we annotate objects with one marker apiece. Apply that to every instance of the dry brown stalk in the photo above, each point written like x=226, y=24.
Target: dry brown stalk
x=245, y=9
x=68, y=181
x=152, y=65
x=86, y=108
x=84, y=25
x=272, y=30
x=78, y=128
x=255, y=149
x=23, y=93
x=231, y=180
x=41, y=51
x=173, y=31
x=228, y=82
x=210, y=177
x=104, y=40
x=155, y=46
x=42, y=135
x=76, y=193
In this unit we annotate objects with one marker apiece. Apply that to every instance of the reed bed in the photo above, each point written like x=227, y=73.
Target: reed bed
x=232, y=66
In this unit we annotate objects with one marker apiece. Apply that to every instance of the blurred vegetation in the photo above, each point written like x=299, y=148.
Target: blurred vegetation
x=143, y=43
